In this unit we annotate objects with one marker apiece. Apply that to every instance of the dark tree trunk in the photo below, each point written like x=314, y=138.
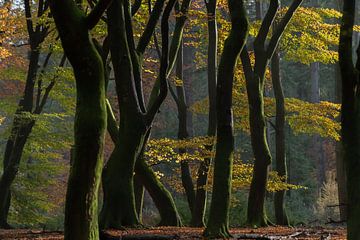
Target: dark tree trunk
x=340, y=165
x=161, y=197
x=81, y=218
x=350, y=116
x=198, y=219
x=218, y=224
x=183, y=132
x=119, y=207
x=21, y=127
x=255, y=77
x=139, y=192
x=279, y=201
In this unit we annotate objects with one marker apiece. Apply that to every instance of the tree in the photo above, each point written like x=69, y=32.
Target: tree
x=350, y=116
x=203, y=171
x=135, y=118
x=255, y=77
x=218, y=223
x=279, y=204
x=23, y=123
x=81, y=218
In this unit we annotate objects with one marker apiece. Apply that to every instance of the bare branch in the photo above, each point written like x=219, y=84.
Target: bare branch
x=164, y=64
x=259, y=42
x=95, y=15
x=281, y=28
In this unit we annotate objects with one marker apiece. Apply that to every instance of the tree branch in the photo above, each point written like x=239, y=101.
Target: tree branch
x=281, y=28
x=164, y=64
x=135, y=7
x=48, y=89
x=95, y=15
x=246, y=63
x=259, y=42
x=29, y=22
x=150, y=26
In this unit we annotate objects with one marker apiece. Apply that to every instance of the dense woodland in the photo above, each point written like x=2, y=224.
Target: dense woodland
x=213, y=115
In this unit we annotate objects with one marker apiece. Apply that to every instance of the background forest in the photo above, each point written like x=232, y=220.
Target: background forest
x=181, y=133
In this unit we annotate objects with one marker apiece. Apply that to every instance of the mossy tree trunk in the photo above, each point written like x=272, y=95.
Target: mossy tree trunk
x=350, y=117
x=81, y=218
x=198, y=218
x=255, y=78
x=279, y=201
x=135, y=120
x=218, y=224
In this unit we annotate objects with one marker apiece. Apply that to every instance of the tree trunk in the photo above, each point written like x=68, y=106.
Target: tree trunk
x=81, y=218
x=118, y=182
x=183, y=133
x=350, y=117
x=198, y=218
x=340, y=166
x=161, y=197
x=280, y=211
x=19, y=135
x=316, y=149
x=218, y=224
x=13, y=152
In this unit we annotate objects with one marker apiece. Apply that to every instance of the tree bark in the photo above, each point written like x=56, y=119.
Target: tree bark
x=81, y=218
x=218, y=224
x=340, y=166
x=350, y=116
x=198, y=218
x=279, y=202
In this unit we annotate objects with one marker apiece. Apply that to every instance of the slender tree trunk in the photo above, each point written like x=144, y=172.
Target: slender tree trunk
x=198, y=219
x=183, y=133
x=340, y=166
x=350, y=117
x=316, y=140
x=81, y=218
x=218, y=224
x=279, y=202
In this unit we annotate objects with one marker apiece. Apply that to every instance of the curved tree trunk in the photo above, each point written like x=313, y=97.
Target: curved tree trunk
x=255, y=78
x=81, y=218
x=218, y=224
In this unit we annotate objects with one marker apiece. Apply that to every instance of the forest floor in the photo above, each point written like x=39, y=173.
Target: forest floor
x=167, y=233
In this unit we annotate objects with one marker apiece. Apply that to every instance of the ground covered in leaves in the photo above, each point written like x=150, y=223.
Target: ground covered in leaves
x=165, y=233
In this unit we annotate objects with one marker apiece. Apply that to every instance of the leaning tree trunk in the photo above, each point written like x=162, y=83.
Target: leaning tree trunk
x=218, y=224
x=198, y=219
x=350, y=117
x=81, y=218
x=279, y=202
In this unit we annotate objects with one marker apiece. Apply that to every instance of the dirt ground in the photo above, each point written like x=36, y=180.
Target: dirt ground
x=165, y=233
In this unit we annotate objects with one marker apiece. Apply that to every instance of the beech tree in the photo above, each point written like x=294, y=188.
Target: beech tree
x=218, y=223
x=135, y=117
x=350, y=116
x=23, y=123
x=255, y=77
x=81, y=218
x=203, y=171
